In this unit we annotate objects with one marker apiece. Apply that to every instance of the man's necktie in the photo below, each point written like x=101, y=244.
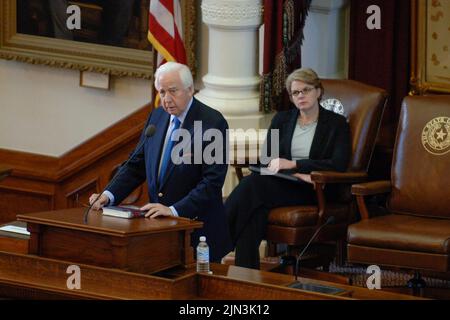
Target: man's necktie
x=168, y=150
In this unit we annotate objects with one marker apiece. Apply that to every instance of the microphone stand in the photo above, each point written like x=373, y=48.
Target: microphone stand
x=330, y=220
x=149, y=131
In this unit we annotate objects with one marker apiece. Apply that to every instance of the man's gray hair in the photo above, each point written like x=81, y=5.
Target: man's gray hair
x=183, y=71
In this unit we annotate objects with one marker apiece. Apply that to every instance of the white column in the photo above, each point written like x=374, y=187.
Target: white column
x=325, y=48
x=232, y=82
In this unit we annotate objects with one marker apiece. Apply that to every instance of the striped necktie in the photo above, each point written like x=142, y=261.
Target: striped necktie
x=168, y=150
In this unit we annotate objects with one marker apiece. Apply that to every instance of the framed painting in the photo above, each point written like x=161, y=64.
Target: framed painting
x=430, y=70
x=111, y=38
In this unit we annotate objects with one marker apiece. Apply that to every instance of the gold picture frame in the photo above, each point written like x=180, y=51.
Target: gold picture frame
x=430, y=50
x=115, y=61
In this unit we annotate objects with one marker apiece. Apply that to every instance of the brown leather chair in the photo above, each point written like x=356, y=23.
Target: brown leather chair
x=363, y=106
x=416, y=233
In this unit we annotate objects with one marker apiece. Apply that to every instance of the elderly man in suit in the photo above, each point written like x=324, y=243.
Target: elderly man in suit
x=192, y=188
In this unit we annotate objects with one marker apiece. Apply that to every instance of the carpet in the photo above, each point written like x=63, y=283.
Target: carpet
x=389, y=278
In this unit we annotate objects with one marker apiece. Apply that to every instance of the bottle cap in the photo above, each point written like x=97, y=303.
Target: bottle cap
x=203, y=238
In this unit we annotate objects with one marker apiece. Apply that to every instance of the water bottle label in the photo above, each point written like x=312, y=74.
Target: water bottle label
x=203, y=255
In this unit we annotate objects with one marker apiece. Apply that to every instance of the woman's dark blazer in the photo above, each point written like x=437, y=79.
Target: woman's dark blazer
x=331, y=146
x=256, y=194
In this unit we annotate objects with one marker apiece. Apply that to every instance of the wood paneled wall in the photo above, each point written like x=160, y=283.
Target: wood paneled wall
x=40, y=183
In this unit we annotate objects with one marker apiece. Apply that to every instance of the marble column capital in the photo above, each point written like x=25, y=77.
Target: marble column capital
x=233, y=14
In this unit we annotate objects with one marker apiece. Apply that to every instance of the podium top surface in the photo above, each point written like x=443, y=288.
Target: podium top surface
x=98, y=223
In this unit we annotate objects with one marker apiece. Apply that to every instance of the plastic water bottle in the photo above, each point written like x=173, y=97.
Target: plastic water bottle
x=203, y=256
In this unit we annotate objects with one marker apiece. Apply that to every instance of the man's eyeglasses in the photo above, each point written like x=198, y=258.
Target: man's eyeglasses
x=303, y=92
x=172, y=91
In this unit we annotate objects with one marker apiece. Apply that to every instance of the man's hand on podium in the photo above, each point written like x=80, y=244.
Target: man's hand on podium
x=156, y=210
x=100, y=203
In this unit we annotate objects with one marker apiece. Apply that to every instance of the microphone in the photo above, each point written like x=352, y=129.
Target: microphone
x=330, y=220
x=149, y=131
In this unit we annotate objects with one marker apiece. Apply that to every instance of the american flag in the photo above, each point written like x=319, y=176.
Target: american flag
x=165, y=31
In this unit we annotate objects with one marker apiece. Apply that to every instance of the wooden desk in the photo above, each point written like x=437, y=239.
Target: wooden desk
x=4, y=172
x=120, y=259
x=136, y=245
x=31, y=277
x=14, y=242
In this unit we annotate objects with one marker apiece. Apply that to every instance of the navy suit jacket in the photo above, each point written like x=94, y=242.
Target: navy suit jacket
x=195, y=190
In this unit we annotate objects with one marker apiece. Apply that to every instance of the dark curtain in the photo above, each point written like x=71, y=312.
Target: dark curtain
x=382, y=57
x=284, y=21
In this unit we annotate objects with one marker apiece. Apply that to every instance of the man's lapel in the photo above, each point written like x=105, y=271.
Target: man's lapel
x=155, y=144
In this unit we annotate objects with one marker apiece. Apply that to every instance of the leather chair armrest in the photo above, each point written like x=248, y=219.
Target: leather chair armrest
x=366, y=189
x=321, y=178
x=371, y=188
x=338, y=177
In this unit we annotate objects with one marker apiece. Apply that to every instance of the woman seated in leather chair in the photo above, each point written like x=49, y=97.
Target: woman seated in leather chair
x=311, y=138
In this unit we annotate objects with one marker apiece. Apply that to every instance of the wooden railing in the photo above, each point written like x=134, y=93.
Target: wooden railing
x=40, y=183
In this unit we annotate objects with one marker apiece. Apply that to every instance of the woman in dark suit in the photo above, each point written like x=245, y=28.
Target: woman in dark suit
x=311, y=138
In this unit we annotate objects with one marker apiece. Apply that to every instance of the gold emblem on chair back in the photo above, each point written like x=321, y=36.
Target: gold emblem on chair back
x=421, y=163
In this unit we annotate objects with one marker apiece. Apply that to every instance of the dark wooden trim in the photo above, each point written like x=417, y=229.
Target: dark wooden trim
x=27, y=190
x=85, y=169
x=71, y=197
x=4, y=171
x=54, y=169
x=28, y=276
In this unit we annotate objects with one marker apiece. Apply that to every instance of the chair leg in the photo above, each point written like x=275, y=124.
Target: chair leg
x=417, y=284
x=341, y=252
x=271, y=248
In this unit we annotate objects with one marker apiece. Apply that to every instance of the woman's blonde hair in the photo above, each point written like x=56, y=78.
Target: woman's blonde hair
x=306, y=75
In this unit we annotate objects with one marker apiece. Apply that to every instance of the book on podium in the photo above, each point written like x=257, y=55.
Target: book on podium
x=126, y=212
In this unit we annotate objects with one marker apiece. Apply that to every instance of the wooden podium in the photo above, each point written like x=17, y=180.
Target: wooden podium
x=135, y=245
x=4, y=171
x=138, y=259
